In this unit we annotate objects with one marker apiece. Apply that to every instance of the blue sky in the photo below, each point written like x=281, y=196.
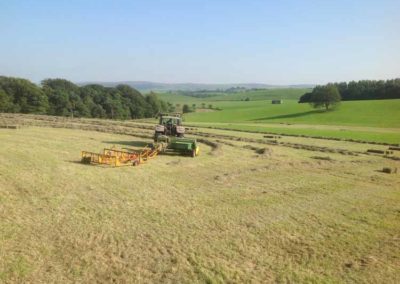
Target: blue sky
x=220, y=41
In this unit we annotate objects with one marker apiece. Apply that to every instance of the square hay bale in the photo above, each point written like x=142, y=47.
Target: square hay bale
x=264, y=151
x=272, y=136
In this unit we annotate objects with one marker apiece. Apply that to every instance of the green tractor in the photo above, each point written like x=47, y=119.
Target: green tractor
x=169, y=134
x=170, y=124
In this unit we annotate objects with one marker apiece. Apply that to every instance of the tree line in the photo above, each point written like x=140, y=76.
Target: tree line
x=63, y=98
x=361, y=90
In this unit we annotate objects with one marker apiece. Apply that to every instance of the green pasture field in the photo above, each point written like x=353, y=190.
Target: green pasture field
x=253, y=95
x=264, y=94
x=179, y=99
x=375, y=113
x=369, y=134
x=359, y=120
x=374, y=121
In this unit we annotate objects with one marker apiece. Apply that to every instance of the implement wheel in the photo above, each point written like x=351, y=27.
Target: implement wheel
x=195, y=152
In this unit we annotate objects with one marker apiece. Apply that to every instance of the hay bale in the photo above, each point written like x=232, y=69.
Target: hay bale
x=389, y=170
x=272, y=136
x=264, y=151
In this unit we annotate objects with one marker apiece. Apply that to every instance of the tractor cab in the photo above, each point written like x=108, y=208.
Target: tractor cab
x=170, y=120
x=169, y=125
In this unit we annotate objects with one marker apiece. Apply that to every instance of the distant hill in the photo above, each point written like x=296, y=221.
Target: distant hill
x=145, y=86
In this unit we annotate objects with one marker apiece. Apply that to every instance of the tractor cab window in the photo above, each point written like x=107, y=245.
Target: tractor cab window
x=170, y=120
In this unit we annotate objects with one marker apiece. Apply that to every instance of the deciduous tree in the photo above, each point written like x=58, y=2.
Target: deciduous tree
x=325, y=96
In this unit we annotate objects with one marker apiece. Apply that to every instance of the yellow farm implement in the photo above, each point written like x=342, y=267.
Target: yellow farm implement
x=116, y=158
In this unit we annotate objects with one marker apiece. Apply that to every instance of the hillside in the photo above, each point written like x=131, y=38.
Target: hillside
x=145, y=86
x=252, y=95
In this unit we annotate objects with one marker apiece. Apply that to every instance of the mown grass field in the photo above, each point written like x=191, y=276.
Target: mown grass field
x=230, y=215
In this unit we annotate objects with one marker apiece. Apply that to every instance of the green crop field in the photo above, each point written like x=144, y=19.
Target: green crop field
x=242, y=211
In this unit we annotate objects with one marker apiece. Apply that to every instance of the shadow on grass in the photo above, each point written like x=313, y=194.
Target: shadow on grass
x=292, y=115
x=129, y=143
x=75, y=162
x=102, y=166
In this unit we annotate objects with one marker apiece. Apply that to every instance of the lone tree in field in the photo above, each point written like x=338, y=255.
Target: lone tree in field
x=186, y=109
x=325, y=96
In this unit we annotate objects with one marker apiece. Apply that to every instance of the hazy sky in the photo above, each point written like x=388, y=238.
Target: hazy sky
x=201, y=41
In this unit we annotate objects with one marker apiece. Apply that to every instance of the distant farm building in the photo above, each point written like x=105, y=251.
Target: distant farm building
x=276, y=102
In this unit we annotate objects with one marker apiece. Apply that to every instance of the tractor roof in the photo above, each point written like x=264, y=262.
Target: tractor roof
x=171, y=114
x=177, y=117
